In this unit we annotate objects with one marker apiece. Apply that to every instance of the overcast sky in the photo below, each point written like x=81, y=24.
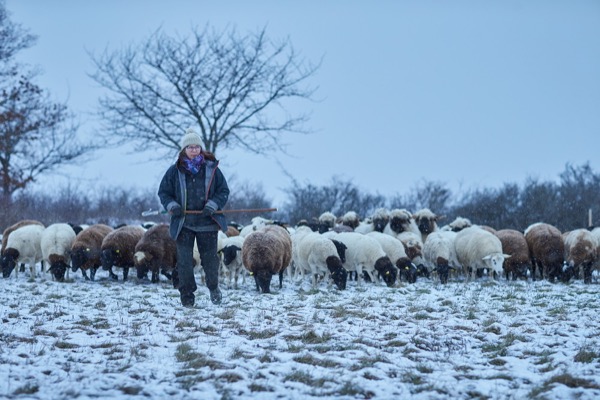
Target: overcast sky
x=470, y=93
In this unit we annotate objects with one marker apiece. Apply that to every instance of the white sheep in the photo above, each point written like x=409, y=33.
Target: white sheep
x=56, y=242
x=364, y=253
x=394, y=249
x=351, y=220
x=457, y=225
x=230, y=253
x=320, y=256
x=256, y=223
x=23, y=246
x=477, y=249
x=439, y=253
x=297, y=267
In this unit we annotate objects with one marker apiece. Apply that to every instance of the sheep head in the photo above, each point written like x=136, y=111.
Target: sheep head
x=387, y=270
x=9, y=261
x=337, y=271
x=263, y=280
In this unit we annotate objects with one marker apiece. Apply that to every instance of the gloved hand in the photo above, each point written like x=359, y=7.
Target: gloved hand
x=176, y=211
x=208, y=210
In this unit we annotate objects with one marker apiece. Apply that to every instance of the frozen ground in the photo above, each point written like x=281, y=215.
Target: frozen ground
x=481, y=340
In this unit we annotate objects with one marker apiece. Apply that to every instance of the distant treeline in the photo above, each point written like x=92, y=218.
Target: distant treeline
x=566, y=203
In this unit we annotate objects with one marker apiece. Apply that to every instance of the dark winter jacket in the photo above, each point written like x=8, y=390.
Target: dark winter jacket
x=172, y=191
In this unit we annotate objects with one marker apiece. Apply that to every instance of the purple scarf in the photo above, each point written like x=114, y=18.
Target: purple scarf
x=193, y=164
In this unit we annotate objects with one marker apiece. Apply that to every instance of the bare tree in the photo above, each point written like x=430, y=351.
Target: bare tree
x=231, y=88
x=36, y=134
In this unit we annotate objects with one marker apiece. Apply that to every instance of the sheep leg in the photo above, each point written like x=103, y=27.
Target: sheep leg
x=281, y=279
x=154, y=278
x=587, y=273
x=87, y=278
x=93, y=273
x=112, y=275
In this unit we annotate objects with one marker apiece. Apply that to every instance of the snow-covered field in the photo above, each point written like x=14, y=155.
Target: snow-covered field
x=481, y=340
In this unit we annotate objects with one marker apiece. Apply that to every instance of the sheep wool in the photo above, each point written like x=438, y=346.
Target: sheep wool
x=23, y=246
x=86, y=249
x=57, y=240
x=118, y=247
x=546, y=250
x=156, y=252
x=266, y=252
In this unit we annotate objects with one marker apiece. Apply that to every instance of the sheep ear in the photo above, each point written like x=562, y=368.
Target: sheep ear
x=487, y=257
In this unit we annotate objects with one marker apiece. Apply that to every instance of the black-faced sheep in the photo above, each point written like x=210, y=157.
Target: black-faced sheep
x=230, y=252
x=440, y=254
x=377, y=222
x=118, y=248
x=56, y=242
x=546, y=250
x=320, y=256
x=6, y=233
x=457, y=225
x=581, y=252
x=86, y=249
x=23, y=246
x=351, y=220
x=479, y=249
x=267, y=252
x=426, y=221
x=394, y=249
x=401, y=220
x=156, y=252
x=514, y=244
x=326, y=221
x=364, y=253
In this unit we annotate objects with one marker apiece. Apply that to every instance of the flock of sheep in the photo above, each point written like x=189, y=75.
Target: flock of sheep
x=389, y=247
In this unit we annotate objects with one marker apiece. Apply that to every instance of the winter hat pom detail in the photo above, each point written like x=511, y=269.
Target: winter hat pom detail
x=191, y=138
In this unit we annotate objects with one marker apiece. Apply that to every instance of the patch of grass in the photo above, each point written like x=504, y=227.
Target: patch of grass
x=255, y=387
x=586, y=355
x=304, y=377
x=563, y=379
x=497, y=362
x=28, y=388
x=352, y=390
x=65, y=345
x=264, y=334
x=311, y=360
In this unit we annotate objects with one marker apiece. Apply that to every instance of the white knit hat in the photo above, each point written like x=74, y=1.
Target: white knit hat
x=191, y=138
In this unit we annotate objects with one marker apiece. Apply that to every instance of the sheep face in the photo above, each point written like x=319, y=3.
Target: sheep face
x=426, y=225
x=380, y=222
x=79, y=257
x=338, y=273
x=399, y=224
x=58, y=270
x=229, y=253
x=386, y=269
x=263, y=280
x=408, y=271
x=443, y=269
x=494, y=262
x=9, y=261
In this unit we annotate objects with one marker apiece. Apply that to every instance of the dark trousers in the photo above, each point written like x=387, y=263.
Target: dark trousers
x=207, y=246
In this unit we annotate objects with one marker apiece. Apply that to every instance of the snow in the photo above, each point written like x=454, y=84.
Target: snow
x=482, y=339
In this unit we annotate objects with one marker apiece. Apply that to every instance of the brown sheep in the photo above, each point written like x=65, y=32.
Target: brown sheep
x=546, y=250
x=156, y=252
x=266, y=252
x=514, y=244
x=118, y=247
x=581, y=252
x=86, y=249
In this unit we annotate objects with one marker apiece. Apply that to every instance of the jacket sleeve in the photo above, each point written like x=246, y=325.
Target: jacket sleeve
x=167, y=190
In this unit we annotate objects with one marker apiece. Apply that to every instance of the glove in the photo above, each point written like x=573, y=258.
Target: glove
x=176, y=211
x=208, y=210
